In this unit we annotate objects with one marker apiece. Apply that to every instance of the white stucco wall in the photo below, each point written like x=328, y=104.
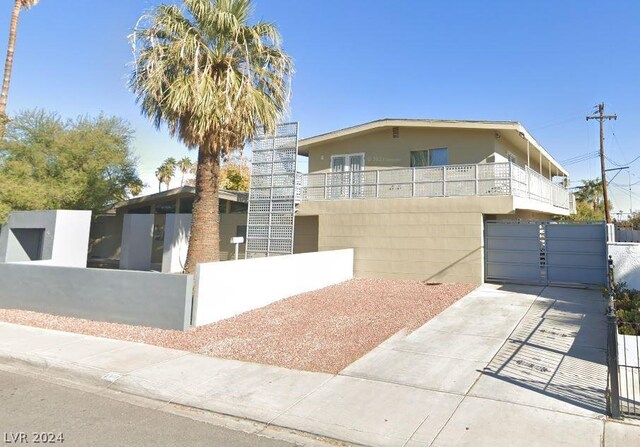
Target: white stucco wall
x=71, y=238
x=137, y=242
x=629, y=350
x=65, y=237
x=626, y=263
x=225, y=289
x=177, y=229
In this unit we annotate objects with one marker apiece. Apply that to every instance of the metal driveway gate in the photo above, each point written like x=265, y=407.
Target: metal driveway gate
x=544, y=252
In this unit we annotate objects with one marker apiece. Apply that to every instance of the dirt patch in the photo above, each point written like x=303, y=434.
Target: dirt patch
x=323, y=331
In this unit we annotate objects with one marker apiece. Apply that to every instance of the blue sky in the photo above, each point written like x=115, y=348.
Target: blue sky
x=543, y=63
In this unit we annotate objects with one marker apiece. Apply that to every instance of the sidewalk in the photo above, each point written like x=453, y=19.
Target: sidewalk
x=512, y=365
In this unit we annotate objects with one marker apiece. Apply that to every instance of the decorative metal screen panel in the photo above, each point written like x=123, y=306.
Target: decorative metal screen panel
x=273, y=193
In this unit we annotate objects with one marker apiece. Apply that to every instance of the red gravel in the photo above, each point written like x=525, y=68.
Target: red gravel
x=324, y=330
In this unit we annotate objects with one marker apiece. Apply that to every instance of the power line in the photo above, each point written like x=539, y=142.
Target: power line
x=580, y=158
x=618, y=164
x=557, y=122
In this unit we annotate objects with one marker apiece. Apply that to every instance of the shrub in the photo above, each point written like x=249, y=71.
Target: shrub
x=627, y=307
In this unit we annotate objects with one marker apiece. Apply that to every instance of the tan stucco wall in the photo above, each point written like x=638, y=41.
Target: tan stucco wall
x=466, y=146
x=228, y=228
x=383, y=151
x=305, y=238
x=431, y=239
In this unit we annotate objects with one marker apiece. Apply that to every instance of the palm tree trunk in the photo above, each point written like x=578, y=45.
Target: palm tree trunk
x=204, y=243
x=8, y=64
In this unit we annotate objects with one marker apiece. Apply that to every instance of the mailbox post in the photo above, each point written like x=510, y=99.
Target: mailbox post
x=237, y=241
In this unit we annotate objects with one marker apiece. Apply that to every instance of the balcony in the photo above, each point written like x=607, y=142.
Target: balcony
x=489, y=179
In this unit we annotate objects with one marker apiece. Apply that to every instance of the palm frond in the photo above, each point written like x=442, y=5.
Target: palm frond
x=207, y=74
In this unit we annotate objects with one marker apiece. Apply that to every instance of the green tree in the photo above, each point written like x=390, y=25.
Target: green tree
x=185, y=165
x=136, y=188
x=50, y=163
x=633, y=222
x=235, y=173
x=8, y=63
x=585, y=212
x=589, y=201
x=214, y=79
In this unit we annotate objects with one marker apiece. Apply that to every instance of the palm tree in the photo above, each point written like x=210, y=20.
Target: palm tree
x=8, y=64
x=171, y=165
x=185, y=164
x=591, y=192
x=160, y=175
x=165, y=172
x=214, y=80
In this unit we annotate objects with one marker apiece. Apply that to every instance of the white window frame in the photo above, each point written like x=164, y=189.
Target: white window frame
x=347, y=162
x=512, y=158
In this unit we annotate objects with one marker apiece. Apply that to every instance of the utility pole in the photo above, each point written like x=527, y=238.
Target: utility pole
x=601, y=117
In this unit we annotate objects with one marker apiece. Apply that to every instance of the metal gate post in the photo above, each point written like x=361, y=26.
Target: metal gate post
x=613, y=393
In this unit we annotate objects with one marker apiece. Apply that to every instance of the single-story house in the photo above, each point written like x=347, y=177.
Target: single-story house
x=106, y=229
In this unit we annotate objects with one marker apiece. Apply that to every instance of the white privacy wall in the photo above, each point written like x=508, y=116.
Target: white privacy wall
x=226, y=289
x=137, y=242
x=177, y=229
x=626, y=263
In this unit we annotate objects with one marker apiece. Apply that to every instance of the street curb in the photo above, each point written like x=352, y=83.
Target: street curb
x=94, y=378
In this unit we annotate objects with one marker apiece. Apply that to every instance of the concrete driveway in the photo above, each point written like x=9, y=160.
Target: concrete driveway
x=520, y=365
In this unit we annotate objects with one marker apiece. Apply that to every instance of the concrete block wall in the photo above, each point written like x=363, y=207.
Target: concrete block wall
x=430, y=239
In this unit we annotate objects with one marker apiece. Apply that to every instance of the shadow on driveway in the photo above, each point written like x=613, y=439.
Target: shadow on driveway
x=558, y=351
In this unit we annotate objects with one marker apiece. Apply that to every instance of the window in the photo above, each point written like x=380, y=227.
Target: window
x=430, y=157
x=347, y=162
x=141, y=210
x=166, y=207
x=239, y=207
x=512, y=158
x=186, y=205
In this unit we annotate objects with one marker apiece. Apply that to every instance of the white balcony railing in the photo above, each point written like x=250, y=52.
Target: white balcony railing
x=489, y=179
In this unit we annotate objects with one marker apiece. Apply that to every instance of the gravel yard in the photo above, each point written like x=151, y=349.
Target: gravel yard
x=324, y=331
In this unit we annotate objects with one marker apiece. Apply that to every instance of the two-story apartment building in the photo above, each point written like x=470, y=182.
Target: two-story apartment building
x=411, y=196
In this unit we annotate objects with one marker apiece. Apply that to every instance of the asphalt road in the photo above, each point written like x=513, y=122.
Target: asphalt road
x=29, y=406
